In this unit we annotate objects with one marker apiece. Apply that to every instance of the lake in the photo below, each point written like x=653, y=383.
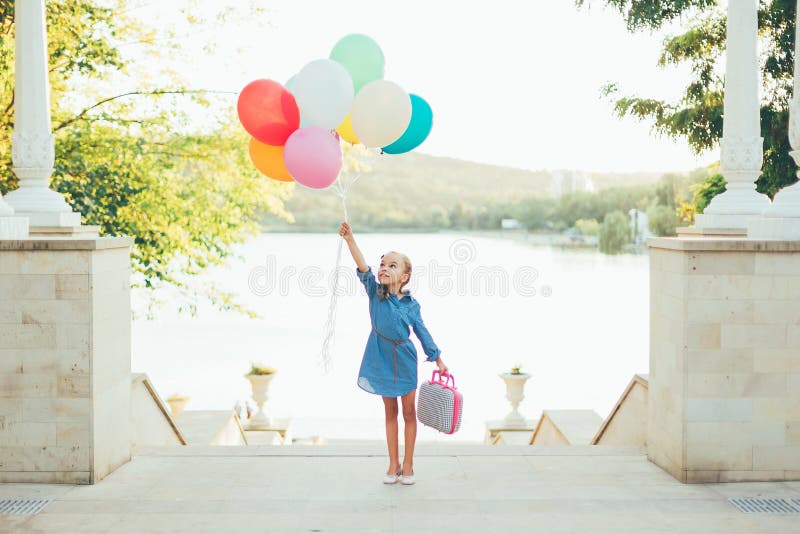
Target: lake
x=576, y=320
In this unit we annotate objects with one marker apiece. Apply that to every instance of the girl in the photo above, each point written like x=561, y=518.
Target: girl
x=389, y=365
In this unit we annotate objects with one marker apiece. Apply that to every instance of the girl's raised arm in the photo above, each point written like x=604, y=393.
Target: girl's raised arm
x=347, y=233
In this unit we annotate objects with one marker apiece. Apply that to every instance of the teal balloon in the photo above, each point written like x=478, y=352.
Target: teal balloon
x=418, y=129
x=361, y=57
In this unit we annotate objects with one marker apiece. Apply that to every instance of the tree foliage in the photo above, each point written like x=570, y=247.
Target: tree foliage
x=595, y=205
x=707, y=190
x=697, y=115
x=615, y=233
x=662, y=220
x=588, y=227
x=131, y=161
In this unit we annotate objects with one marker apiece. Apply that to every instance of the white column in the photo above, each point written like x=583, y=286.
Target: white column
x=32, y=149
x=741, y=146
x=781, y=220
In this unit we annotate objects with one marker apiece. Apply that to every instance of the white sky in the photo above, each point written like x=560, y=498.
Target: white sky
x=512, y=82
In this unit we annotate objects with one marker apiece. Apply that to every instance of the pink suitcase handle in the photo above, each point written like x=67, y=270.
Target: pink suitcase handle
x=444, y=382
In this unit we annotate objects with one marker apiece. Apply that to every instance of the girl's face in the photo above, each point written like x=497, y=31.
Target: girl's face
x=392, y=270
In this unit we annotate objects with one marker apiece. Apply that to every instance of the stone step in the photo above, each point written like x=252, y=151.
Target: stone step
x=379, y=449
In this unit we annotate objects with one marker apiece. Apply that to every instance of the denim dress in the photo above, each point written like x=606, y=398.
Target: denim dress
x=389, y=365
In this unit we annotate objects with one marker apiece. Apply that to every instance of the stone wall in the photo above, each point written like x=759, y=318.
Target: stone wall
x=64, y=358
x=724, y=384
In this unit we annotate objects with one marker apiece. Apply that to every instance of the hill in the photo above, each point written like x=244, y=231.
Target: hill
x=418, y=191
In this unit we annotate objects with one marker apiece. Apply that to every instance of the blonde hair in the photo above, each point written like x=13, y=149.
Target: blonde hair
x=383, y=290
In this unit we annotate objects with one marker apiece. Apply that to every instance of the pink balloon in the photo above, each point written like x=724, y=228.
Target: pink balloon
x=313, y=157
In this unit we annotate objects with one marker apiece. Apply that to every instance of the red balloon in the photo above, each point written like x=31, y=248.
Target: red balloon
x=268, y=112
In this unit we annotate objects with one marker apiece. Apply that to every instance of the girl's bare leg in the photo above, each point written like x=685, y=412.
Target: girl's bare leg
x=410, y=432
x=390, y=407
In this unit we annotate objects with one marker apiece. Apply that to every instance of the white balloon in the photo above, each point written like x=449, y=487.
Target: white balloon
x=323, y=90
x=381, y=113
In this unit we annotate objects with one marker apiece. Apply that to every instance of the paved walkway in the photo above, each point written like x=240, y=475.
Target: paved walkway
x=337, y=488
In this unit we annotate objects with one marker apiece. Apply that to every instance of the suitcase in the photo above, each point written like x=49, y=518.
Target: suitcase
x=439, y=404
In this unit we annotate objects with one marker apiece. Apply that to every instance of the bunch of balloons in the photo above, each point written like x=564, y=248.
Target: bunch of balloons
x=296, y=127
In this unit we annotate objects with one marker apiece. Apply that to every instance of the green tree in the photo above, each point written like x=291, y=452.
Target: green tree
x=595, y=205
x=533, y=212
x=707, y=190
x=588, y=227
x=131, y=162
x=615, y=233
x=662, y=220
x=461, y=216
x=697, y=115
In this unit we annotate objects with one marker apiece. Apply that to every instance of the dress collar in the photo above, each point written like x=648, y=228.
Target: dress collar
x=403, y=293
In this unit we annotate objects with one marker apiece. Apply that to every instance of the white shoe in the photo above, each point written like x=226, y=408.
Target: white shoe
x=407, y=480
x=391, y=479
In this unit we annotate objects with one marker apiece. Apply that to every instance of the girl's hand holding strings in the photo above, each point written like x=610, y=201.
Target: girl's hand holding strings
x=345, y=231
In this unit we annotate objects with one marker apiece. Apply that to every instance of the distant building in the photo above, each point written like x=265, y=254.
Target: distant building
x=510, y=224
x=565, y=182
x=638, y=224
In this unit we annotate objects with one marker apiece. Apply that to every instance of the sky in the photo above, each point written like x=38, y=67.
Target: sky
x=512, y=82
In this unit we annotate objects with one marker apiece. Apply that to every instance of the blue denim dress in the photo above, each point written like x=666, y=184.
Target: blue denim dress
x=389, y=365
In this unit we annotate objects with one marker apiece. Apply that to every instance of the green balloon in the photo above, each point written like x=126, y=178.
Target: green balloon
x=361, y=56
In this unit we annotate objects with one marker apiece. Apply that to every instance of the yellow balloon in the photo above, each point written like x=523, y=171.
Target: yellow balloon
x=268, y=160
x=346, y=131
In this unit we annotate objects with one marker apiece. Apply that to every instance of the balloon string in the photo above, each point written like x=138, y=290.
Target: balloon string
x=330, y=323
x=324, y=359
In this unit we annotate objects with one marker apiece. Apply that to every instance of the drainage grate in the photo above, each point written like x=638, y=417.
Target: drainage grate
x=23, y=506
x=753, y=505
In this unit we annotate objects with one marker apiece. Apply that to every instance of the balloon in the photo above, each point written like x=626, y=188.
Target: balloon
x=290, y=87
x=381, y=113
x=269, y=160
x=313, y=157
x=324, y=92
x=361, y=56
x=418, y=129
x=346, y=130
x=268, y=111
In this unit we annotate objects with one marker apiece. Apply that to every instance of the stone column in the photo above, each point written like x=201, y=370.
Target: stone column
x=781, y=220
x=65, y=349
x=724, y=382
x=741, y=146
x=32, y=148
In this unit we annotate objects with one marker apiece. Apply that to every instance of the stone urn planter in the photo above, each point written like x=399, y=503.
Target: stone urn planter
x=177, y=403
x=515, y=393
x=260, y=378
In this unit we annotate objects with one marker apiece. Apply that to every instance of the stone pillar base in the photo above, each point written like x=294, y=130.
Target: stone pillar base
x=695, y=231
x=782, y=228
x=13, y=227
x=65, y=231
x=53, y=218
x=724, y=384
x=716, y=222
x=65, y=365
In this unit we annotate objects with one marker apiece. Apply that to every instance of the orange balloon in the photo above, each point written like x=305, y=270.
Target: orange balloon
x=268, y=160
x=346, y=130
